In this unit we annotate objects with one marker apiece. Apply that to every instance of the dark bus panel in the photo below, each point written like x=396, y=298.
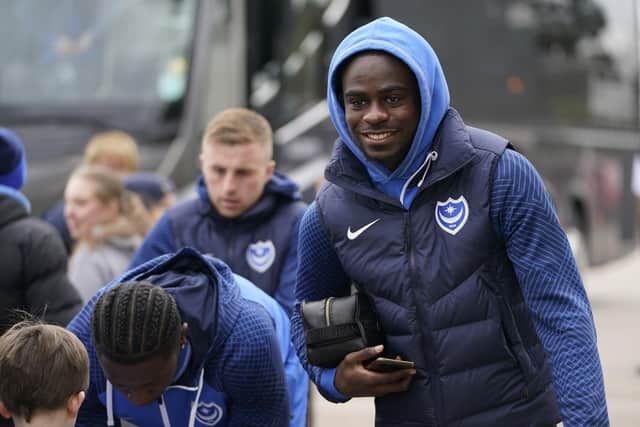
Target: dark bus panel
x=559, y=78
x=72, y=68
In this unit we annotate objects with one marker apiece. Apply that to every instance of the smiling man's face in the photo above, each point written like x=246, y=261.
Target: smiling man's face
x=381, y=102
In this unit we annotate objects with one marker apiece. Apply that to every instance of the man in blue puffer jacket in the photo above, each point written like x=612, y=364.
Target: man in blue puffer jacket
x=182, y=341
x=453, y=236
x=246, y=213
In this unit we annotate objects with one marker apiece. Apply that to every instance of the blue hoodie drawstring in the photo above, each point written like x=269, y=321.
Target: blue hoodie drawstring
x=110, y=421
x=163, y=413
x=432, y=156
x=194, y=408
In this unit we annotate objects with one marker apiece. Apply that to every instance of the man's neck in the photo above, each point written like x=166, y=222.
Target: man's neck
x=59, y=418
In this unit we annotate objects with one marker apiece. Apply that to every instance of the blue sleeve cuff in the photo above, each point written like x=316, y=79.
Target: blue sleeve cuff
x=327, y=387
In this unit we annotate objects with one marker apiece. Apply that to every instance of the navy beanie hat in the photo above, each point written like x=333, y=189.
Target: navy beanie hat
x=13, y=161
x=151, y=187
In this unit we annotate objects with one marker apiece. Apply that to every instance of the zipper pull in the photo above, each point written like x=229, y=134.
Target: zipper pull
x=327, y=310
x=433, y=156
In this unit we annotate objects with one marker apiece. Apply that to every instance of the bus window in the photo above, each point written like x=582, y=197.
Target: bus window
x=83, y=51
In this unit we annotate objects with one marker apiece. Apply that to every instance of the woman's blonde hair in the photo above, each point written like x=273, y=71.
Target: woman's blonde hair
x=114, y=143
x=133, y=218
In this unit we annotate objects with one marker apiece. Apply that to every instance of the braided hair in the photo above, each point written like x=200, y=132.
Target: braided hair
x=134, y=322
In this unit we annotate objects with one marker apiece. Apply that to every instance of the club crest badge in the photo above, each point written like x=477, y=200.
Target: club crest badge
x=260, y=255
x=209, y=414
x=452, y=214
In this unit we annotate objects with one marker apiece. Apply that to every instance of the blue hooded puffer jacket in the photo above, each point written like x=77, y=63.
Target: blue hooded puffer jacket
x=260, y=244
x=445, y=291
x=232, y=367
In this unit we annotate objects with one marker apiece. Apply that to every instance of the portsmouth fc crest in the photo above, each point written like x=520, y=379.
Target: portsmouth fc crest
x=209, y=414
x=452, y=214
x=260, y=255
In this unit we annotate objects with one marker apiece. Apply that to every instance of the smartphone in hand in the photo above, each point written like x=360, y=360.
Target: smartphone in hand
x=384, y=364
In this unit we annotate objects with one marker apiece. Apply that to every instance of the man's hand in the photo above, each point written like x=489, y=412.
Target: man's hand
x=354, y=380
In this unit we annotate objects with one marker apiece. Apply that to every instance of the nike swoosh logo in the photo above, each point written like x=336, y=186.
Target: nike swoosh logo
x=354, y=234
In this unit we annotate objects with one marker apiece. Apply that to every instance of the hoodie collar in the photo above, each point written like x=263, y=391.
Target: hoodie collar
x=452, y=144
x=396, y=39
x=16, y=195
x=11, y=210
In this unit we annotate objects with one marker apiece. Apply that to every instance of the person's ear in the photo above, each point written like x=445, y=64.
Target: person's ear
x=271, y=167
x=184, y=334
x=201, y=160
x=4, y=411
x=74, y=402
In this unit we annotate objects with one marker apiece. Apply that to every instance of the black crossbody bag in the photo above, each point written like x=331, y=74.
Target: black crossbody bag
x=337, y=326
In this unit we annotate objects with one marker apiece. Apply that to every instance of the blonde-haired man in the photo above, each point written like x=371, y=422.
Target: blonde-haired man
x=246, y=213
x=32, y=398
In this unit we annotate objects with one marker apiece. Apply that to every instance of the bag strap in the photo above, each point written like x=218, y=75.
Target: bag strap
x=332, y=332
x=354, y=288
x=340, y=331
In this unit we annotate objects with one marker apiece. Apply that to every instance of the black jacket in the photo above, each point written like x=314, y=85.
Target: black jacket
x=33, y=266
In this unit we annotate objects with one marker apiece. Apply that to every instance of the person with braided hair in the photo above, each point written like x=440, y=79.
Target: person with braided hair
x=176, y=342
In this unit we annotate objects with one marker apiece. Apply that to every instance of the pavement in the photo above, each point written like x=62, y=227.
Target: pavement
x=614, y=292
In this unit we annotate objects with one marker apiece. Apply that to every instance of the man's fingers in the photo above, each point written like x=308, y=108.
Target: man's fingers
x=366, y=353
x=395, y=376
x=395, y=387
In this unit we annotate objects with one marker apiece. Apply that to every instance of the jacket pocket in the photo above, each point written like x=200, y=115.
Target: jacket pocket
x=514, y=343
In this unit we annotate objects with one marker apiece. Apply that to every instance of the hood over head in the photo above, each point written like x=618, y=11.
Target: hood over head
x=400, y=41
x=202, y=287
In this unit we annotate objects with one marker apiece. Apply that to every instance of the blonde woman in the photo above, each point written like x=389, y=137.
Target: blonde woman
x=115, y=150
x=107, y=222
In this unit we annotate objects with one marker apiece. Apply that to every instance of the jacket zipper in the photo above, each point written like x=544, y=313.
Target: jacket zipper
x=327, y=310
x=381, y=197
x=425, y=334
x=231, y=245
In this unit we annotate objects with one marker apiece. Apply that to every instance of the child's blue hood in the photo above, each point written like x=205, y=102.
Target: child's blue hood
x=394, y=38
